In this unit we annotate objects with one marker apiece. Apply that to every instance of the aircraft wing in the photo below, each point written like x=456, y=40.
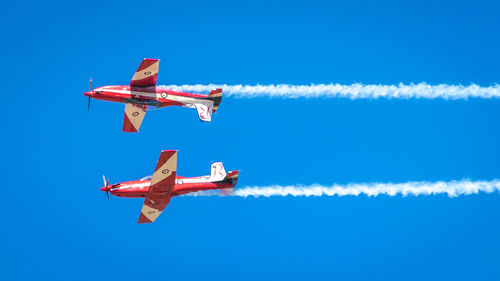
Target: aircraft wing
x=132, y=120
x=146, y=74
x=152, y=208
x=162, y=184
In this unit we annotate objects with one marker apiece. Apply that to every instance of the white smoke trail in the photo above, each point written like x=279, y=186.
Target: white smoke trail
x=353, y=91
x=451, y=188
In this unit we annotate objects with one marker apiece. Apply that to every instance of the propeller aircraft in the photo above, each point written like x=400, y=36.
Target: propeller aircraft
x=142, y=93
x=164, y=184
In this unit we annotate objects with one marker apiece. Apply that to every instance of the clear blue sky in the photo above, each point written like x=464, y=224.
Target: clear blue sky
x=58, y=226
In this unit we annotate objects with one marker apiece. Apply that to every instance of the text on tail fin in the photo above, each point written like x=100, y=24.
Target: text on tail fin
x=217, y=171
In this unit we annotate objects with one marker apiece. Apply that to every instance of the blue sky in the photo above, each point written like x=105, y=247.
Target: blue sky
x=58, y=225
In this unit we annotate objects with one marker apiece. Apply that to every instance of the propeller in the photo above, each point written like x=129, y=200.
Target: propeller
x=90, y=90
x=106, y=185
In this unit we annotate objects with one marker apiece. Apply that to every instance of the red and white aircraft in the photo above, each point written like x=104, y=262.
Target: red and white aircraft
x=165, y=184
x=142, y=93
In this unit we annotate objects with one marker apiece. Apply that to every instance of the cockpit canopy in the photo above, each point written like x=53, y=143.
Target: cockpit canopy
x=146, y=178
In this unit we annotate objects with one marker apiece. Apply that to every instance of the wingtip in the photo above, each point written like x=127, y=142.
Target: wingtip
x=170, y=150
x=143, y=219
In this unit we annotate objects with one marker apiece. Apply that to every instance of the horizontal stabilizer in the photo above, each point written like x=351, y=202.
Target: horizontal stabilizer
x=232, y=178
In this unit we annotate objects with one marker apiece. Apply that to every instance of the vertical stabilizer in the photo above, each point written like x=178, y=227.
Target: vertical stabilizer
x=217, y=171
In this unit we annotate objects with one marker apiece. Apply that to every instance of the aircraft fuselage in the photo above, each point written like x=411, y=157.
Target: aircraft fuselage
x=140, y=188
x=152, y=96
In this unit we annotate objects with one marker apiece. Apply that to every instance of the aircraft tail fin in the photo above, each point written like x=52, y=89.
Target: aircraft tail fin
x=217, y=171
x=209, y=105
x=204, y=111
x=216, y=97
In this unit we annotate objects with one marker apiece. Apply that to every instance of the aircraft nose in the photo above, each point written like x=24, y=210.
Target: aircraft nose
x=88, y=94
x=103, y=188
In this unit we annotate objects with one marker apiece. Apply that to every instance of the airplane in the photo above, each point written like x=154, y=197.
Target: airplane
x=143, y=93
x=164, y=184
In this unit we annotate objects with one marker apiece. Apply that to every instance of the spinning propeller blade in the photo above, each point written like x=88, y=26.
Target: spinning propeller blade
x=90, y=90
x=106, y=185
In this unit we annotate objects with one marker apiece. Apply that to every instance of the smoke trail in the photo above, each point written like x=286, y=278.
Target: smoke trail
x=353, y=91
x=451, y=188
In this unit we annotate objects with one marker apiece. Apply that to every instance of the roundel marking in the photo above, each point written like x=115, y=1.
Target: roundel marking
x=164, y=95
x=147, y=73
x=135, y=114
x=165, y=171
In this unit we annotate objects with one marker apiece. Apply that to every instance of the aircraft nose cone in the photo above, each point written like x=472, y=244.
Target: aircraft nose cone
x=103, y=188
x=88, y=94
